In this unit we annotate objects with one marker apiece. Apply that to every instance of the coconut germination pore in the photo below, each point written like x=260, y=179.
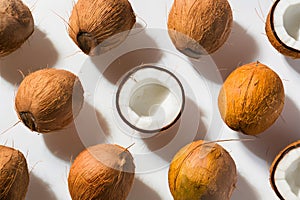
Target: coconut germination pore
x=49, y=99
x=96, y=26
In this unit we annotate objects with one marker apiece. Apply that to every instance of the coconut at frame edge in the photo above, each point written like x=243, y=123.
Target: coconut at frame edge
x=280, y=27
x=284, y=172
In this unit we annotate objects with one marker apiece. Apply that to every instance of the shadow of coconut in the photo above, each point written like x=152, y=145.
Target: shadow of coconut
x=295, y=63
x=163, y=138
x=124, y=63
x=202, y=131
x=239, y=49
x=64, y=144
x=36, y=53
x=282, y=133
x=84, y=132
x=140, y=190
x=91, y=126
x=243, y=190
x=38, y=189
x=189, y=128
x=139, y=25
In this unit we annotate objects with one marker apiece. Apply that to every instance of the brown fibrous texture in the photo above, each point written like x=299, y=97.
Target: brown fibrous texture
x=251, y=98
x=275, y=163
x=14, y=175
x=97, y=26
x=102, y=172
x=16, y=25
x=202, y=170
x=199, y=26
x=49, y=99
x=280, y=46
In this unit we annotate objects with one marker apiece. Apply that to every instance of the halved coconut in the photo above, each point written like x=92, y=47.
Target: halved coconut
x=150, y=99
x=283, y=27
x=285, y=173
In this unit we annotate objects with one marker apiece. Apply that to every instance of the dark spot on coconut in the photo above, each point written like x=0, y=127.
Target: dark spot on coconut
x=86, y=42
x=93, y=22
x=203, y=158
x=29, y=120
x=44, y=100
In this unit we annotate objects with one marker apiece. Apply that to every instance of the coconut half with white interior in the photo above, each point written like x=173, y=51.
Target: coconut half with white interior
x=150, y=99
x=283, y=27
x=285, y=173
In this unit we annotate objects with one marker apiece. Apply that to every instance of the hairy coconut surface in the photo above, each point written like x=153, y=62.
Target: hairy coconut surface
x=251, y=98
x=202, y=170
x=284, y=172
x=102, y=172
x=16, y=25
x=276, y=42
x=49, y=99
x=99, y=25
x=14, y=176
x=199, y=26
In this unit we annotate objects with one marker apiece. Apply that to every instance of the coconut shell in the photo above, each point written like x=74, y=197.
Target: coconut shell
x=102, y=172
x=202, y=170
x=49, y=99
x=100, y=23
x=14, y=176
x=16, y=25
x=280, y=46
x=251, y=98
x=200, y=26
x=275, y=163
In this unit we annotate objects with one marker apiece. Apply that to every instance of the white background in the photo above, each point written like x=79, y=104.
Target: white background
x=49, y=156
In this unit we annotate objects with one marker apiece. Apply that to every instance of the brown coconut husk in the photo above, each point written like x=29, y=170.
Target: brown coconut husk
x=16, y=25
x=102, y=172
x=251, y=98
x=95, y=25
x=49, y=99
x=14, y=175
x=200, y=26
x=202, y=170
x=280, y=46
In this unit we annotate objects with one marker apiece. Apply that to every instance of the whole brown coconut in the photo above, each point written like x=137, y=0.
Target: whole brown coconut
x=251, y=98
x=200, y=26
x=102, y=172
x=14, y=176
x=16, y=25
x=49, y=99
x=276, y=42
x=96, y=26
x=202, y=170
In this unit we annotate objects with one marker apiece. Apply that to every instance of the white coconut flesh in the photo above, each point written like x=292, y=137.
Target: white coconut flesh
x=287, y=175
x=286, y=19
x=150, y=99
